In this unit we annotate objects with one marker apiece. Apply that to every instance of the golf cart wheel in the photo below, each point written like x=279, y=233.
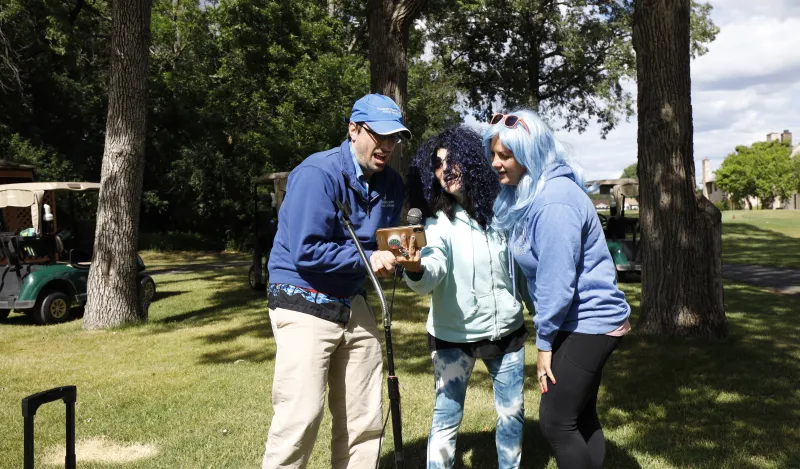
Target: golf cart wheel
x=52, y=309
x=251, y=278
x=4, y=313
x=147, y=290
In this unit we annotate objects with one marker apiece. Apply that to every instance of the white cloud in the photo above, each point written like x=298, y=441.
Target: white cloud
x=756, y=51
x=746, y=86
x=731, y=11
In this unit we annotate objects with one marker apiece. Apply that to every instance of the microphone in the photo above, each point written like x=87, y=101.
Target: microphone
x=414, y=217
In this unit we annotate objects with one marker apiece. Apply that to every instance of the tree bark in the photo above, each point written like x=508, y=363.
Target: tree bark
x=113, y=298
x=532, y=31
x=389, y=25
x=681, y=232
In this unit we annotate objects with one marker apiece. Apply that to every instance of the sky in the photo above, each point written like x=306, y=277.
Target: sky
x=747, y=85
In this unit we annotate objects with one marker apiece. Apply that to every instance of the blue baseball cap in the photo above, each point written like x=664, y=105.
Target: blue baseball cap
x=381, y=114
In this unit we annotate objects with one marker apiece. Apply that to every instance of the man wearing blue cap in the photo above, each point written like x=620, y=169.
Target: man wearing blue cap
x=324, y=330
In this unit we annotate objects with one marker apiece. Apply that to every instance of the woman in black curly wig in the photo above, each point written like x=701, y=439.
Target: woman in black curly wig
x=427, y=174
x=468, y=271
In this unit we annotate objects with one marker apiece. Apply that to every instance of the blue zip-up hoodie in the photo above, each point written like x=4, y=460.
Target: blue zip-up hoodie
x=312, y=248
x=563, y=253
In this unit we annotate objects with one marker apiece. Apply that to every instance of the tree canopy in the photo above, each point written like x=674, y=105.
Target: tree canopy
x=567, y=59
x=243, y=87
x=762, y=170
x=630, y=171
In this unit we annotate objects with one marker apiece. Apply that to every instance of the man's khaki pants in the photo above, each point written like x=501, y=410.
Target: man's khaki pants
x=313, y=353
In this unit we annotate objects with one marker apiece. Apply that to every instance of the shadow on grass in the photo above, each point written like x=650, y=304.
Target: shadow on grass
x=777, y=279
x=18, y=320
x=196, y=268
x=231, y=309
x=743, y=243
x=482, y=451
x=177, y=259
x=731, y=403
x=703, y=404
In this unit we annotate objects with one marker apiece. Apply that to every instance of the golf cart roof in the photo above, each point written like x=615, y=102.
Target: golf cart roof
x=271, y=177
x=606, y=186
x=621, y=191
x=51, y=186
x=26, y=194
x=627, y=190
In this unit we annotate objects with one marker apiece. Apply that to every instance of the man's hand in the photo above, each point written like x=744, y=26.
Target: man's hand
x=382, y=263
x=408, y=254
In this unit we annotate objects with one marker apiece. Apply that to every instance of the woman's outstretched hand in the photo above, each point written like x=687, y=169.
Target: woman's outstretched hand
x=407, y=255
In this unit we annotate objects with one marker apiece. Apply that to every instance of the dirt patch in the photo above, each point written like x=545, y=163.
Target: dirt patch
x=103, y=451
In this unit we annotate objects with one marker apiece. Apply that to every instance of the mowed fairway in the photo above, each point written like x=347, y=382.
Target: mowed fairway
x=761, y=237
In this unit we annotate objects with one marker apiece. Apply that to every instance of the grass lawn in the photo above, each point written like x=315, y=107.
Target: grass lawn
x=191, y=389
x=761, y=237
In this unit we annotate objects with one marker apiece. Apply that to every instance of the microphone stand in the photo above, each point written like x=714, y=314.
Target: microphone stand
x=392, y=383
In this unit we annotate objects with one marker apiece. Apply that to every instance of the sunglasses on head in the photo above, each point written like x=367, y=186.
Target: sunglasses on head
x=510, y=121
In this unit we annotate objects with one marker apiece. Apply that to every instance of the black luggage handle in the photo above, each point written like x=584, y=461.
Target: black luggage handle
x=32, y=403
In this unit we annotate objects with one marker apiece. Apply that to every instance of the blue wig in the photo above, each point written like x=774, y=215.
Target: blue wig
x=536, y=151
x=479, y=183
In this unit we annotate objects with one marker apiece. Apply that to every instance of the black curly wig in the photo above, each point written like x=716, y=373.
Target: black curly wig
x=479, y=182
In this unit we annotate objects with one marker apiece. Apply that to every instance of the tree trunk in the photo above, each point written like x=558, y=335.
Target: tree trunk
x=113, y=297
x=681, y=231
x=534, y=60
x=389, y=25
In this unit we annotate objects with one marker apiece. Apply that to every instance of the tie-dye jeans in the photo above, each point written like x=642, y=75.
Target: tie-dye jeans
x=452, y=370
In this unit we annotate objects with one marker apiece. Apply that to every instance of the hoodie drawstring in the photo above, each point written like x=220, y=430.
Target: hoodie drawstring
x=512, y=273
x=472, y=243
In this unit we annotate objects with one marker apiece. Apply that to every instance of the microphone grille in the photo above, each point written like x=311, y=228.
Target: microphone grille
x=414, y=216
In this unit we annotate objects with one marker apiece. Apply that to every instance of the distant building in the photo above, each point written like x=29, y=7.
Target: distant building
x=793, y=201
x=631, y=204
x=710, y=189
x=12, y=172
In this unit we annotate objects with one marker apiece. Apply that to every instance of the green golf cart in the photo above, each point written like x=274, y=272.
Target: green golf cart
x=622, y=232
x=268, y=193
x=45, y=253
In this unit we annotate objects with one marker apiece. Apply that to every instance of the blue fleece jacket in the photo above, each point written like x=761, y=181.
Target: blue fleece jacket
x=312, y=248
x=563, y=253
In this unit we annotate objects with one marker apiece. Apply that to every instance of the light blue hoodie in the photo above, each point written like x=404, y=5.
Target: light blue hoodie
x=564, y=255
x=468, y=272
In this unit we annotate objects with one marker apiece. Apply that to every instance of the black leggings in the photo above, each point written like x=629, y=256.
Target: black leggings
x=568, y=410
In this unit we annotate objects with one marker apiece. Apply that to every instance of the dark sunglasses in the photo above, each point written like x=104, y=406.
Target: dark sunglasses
x=510, y=121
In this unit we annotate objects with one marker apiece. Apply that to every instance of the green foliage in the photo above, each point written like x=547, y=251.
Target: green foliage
x=47, y=164
x=723, y=205
x=568, y=59
x=242, y=87
x=763, y=170
x=58, y=103
x=795, y=173
x=432, y=100
x=630, y=171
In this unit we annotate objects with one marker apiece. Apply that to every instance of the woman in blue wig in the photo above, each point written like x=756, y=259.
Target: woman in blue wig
x=475, y=312
x=557, y=239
